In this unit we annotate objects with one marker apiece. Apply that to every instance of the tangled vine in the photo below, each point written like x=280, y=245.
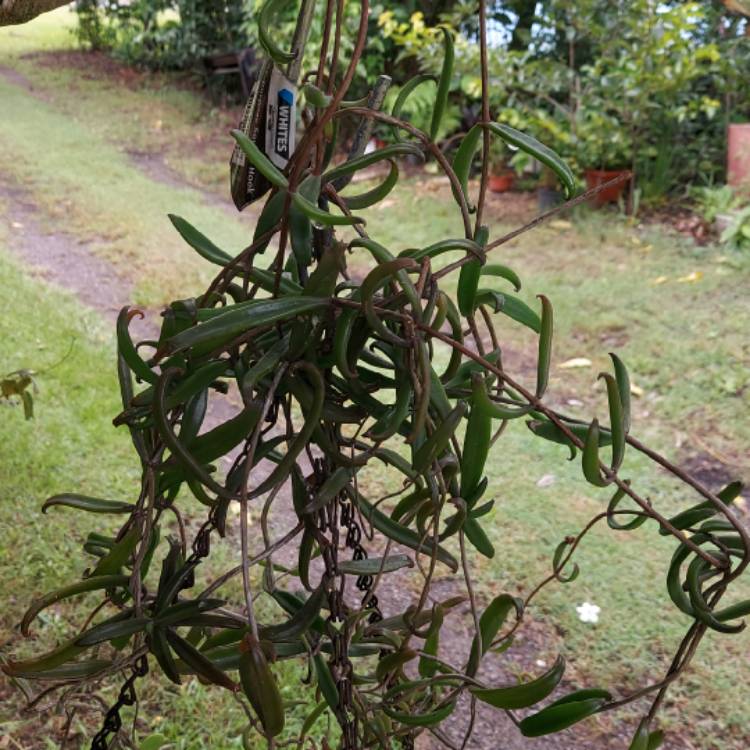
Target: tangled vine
x=333, y=375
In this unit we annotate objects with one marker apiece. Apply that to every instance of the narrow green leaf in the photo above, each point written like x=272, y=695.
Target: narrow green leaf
x=591, y=456
x=107, y=631
x=89, y=504
x=351, y=166
x=199, y=242
x=623, y=386
x=259, y=160
x=332, y=486
x=525, y=694
x=464, y=157
x=444, y=84
x=475, y=450
x=477, y=536
x=80, y=670
x=127, y=350
x=693, y=516
x=198, y=663
x=513, y=307
x=492, y=619
x=300, y=621
x=617, y=420
x=315, y=97
x=375, y=195
x=268, y=23
x=559, y=716
x=210, y=335
x=96, y=583
x=438, y=441
x=545, y=347
x=539, y=151
x=421, y=720
x=371, y=566
x=319, y=216
x=325, y=682
x=119, y=555
x=405, y=92
x=387, y=526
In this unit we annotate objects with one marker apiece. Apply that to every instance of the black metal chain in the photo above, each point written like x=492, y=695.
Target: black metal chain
x=348, y=519
x=112, y=720
x=127, y=697
x=353, y=542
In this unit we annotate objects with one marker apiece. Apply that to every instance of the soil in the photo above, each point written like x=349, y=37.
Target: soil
x=62, y=258
x=17, y=79
x=154, y=166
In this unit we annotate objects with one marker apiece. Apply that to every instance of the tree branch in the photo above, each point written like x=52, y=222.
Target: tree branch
x=20, y=11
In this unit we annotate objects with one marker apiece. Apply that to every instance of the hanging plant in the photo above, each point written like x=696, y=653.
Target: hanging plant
x=335, y=375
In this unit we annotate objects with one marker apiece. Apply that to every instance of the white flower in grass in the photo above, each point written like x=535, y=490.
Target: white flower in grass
x=588, y=612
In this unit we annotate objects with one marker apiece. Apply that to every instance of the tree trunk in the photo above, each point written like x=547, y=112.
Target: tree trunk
x=20, y=11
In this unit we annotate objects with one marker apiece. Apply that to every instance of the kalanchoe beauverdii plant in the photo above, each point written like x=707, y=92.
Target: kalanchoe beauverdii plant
x=334, y=375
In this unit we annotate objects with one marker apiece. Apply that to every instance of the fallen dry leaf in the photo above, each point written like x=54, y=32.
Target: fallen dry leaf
x=660, y=280
x=691, y=277
x=560, y=224
x=546, y=481
x=575, y=362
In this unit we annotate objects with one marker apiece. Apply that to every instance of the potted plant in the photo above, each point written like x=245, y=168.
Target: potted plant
x=603, y=149
x=502, y=175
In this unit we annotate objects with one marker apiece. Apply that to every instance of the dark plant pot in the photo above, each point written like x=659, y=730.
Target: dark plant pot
x=548, y=198
x=596, y=177
x=503, y=182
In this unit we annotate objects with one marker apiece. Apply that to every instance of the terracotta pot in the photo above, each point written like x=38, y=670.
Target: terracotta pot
x=503, y=182
x=596, y=177
x=738, y=156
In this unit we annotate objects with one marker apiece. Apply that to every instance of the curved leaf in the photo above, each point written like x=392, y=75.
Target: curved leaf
x=539, y=151
x=525, y=694
x=89, y=504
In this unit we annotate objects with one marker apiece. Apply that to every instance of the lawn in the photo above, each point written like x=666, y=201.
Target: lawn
x=104, y=153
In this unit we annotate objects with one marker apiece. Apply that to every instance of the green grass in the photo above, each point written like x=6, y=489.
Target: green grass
x=67, y=143
x=677, y=315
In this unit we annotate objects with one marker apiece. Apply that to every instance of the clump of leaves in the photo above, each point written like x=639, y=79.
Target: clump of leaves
x=327, y=376
x=19, y=387
x=737, y=234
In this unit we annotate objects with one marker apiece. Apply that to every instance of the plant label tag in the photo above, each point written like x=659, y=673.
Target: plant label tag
x=281, y=119
x=247, y=183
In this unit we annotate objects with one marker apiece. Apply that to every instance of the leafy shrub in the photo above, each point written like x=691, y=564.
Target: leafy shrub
x=17, y=387
x=737, y=234
x=712, y=201
x=168, y=34
x=339, y=377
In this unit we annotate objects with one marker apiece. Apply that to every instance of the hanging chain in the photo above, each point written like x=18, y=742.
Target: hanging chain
x=112, y=720
x=127, y=697
x=353, y=542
